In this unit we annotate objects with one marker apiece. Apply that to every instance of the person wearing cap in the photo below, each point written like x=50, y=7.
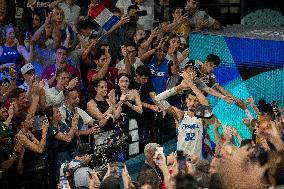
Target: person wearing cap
x=29, y=75
x=78, y=168
x=191, y=128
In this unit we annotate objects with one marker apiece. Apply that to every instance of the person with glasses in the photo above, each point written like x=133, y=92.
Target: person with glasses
x=130, y=62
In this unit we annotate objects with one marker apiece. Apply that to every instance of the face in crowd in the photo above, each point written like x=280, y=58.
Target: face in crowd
x=101, y=89
x=123, y=83
x=192, y=5
x=3, y=114
x=73, y=99
x=58, y=15
x=142, y=79
x=63, y=79
x=139, y=35
x=30, y=76
x=131, y=51
x=10, y=34
x=175, y=43
x=61, y=56
x=208, y=67
x=161, y=53
x=22, y=101
x=56, y=114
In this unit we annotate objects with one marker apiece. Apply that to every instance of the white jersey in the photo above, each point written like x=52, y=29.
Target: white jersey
x=190, y=135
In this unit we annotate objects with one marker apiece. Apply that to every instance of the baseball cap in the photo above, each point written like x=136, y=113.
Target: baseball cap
x=27, y=68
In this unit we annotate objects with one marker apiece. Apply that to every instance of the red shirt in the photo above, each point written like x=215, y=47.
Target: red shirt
x=50, y=71
x=110, y=78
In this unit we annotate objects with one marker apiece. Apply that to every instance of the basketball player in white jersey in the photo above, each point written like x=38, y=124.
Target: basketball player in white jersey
x=189, y=127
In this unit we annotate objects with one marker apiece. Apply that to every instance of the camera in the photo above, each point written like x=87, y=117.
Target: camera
x=141, y=13
x=105, y=154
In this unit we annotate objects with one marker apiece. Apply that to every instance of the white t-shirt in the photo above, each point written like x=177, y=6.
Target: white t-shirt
x=199, y=16
x=147, y=21
x=123, y=4
x=190, y=134
x=71, y=13
x=137, y=63
x=54, y=97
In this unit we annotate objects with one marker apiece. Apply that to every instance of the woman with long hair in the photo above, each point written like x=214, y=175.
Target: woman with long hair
x=101, y=108
x=61, y=140
x=128, y=107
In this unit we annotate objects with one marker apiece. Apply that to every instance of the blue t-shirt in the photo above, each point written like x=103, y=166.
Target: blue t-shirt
x=160, y=74
x=10, y=55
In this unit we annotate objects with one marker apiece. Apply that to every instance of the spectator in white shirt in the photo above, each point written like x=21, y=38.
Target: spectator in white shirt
x=71, y=10
x=130, y=62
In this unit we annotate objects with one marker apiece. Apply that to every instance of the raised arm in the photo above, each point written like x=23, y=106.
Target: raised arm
x=217, y=136
x=54, y=4
x=68, y=137
x=39, y=31
x=38, y=148
x=124, y=20
x=237, y=134
x=161, y=102
x=102, y=72
x=138, y=105
x=103, y=118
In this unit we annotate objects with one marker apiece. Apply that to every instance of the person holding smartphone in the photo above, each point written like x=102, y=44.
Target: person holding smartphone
x=199, y=19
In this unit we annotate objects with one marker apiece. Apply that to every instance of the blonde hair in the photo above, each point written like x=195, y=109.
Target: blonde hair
x=55, y=11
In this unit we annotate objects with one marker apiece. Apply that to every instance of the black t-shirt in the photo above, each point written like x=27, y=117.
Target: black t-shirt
x=6, y=153
x=143, y=89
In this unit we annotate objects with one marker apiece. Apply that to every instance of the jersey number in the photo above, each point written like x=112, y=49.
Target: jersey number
x=190, y=136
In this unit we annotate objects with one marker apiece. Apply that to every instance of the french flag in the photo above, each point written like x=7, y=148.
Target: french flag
x=208, y=146
x=103, y=16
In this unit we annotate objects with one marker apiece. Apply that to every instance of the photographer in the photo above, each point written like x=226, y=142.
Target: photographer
x=78, y=169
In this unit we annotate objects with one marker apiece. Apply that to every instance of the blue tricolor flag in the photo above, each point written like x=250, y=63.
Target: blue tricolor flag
x=103, y=16
x=208, y=146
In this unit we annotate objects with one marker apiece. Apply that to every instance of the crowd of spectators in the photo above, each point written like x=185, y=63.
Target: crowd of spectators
x=70, y=88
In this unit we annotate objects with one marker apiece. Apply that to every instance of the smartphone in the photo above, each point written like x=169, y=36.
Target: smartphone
x=181, y=159
x=159, y=152
x=28, y=36
x=141, y=13
x=63, y=182
x=119, y=169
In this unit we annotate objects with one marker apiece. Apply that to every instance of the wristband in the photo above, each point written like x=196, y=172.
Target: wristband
x=166, y=94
